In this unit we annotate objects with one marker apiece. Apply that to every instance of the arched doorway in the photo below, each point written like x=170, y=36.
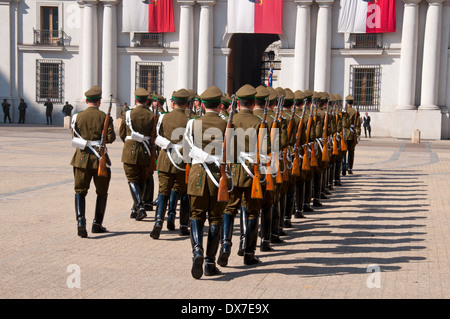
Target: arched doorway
x=244, y=61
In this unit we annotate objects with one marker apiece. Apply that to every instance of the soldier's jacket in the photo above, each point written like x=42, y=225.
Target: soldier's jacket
x=142, y=121
x=249, y=123
x=287, y=115
x=281, y=125
x=198, y=180
x=89, y=125
x=174, y=120
x=306, y=117
x=269, y=120
x=352, y=113
x=346, y=125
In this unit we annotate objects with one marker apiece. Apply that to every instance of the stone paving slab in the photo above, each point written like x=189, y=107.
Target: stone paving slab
x=384, y=234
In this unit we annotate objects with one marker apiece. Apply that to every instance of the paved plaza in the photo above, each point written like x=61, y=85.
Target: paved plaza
x=383, y=234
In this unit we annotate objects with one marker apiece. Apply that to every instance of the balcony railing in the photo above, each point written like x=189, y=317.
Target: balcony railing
x=49, y=37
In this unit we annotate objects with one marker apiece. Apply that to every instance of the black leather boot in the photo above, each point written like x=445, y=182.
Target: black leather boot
x=173, y=200
x=100, y=208
x=80, y=211
x=185, y=210
x=211, y=250
x=227, y=233
x=147, y=197
x=289, y=210
x=139, y=207
x=243, y=225
x=274, y=234
x=160, y=214
x=308, y=196
x=317, y=189
x=266, y=226
x=282, y=213
x=299, y=199
x=197, y=248
x=337, y=174
x=251, y=237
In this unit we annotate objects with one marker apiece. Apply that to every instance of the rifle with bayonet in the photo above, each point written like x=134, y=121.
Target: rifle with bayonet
x=273, y=132
x=262, y=131
x=222, y=195
x=102, y=170
x=296, y=161
x=325, y=155
x=289, y=133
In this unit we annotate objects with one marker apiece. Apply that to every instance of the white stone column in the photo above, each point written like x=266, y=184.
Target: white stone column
x=322, y=63
x=109, y=49
x=431, y=56
x=443, y=67
x=186, y=45
x=302, y=45
x=89, y=52
x=408, y=60
x=205, y=45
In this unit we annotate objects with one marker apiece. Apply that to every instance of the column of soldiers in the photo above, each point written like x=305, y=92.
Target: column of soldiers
x=263, y=153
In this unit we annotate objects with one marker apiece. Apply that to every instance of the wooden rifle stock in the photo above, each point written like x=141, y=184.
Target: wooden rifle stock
x=102, y=171
x=296, y=161
x=269, y=179
x=289, y=133
x=314, y=160
x=335, y=143
x=222, y=195
x=325, y=155
x=278, y=178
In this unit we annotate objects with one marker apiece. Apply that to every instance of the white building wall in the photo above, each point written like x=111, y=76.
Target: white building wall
x=23, y=57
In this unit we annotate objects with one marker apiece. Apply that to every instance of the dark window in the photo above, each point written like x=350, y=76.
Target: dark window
x=366, y=40
x=49, y=81
x=365, y=86
x=149, y=76
x=149, y=40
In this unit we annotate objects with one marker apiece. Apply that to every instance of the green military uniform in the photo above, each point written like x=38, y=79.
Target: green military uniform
x=226, y=102
x=242, y=171
x=170, y=165
x=87, y=128
x=262, y=94
x=288, y=188
x=135, y=131
x=202, y=190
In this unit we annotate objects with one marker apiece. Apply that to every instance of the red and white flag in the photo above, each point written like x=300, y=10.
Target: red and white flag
x=153, y=16
x=255, y=16
x=366, y=16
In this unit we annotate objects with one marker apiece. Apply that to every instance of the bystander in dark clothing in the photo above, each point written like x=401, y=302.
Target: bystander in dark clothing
x=366, y=125
x=67, y=109
x=48, y=111
x=6, y=106
x=22, y=111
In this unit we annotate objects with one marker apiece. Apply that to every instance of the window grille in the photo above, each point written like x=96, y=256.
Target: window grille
x=149, y=76
x=152, y=40
x=265, y=70
x=49, y=81
x=366, y=40
x=365, y=86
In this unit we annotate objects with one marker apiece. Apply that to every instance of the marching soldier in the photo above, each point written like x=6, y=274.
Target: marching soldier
x=87, y=128
x=202, y=183
x=288, y=190
x=242, y=172
x=170, y=166
x=342, y=119
x=352, y=138
x=262, y=94
x=135, y=131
